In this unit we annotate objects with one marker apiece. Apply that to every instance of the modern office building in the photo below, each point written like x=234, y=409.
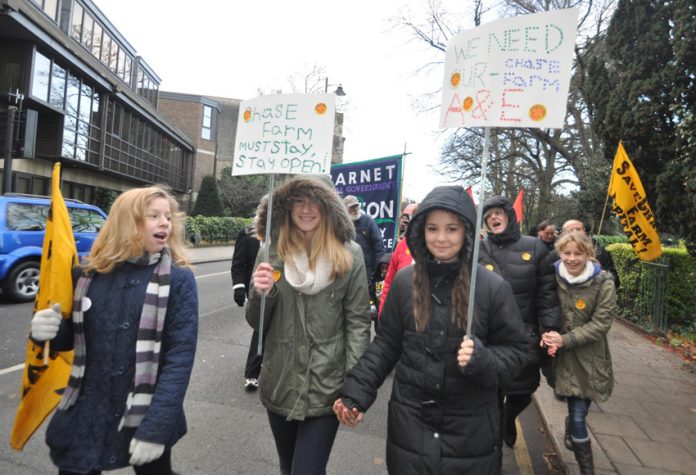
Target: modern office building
x=85, y=98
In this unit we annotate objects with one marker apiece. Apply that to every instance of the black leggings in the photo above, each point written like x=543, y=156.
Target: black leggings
x=161, y=466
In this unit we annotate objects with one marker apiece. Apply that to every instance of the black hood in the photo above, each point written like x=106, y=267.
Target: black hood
x=512, y=232
x=448, y=198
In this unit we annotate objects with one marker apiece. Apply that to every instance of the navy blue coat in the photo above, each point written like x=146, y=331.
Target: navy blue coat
x=369, y=237
x=85, y=437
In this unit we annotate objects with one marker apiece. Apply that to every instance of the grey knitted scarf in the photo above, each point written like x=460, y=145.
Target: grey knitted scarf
x=147, y=348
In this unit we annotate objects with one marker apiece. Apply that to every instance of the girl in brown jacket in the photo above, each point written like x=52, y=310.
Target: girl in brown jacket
x=582, y=367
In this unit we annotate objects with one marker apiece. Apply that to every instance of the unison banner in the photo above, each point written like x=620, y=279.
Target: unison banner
x=377, y=185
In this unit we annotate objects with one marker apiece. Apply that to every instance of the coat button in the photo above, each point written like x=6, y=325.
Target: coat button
x=125, y=325
x=436, y=435
x=112, y=459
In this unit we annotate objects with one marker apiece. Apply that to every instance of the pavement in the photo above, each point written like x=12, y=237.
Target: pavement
x=647, y=426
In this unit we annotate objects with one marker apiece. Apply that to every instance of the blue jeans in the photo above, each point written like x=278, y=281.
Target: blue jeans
x=577, y=414
x=303, y=446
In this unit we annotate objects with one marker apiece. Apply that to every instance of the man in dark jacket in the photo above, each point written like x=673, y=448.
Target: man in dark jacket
x=520, y=260
x=367, y=235
x=245, y=249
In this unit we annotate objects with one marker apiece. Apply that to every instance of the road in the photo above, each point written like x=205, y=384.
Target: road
x=228, y=429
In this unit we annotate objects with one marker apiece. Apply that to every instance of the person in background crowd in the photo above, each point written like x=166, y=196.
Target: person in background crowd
x=135, y=300
x=602, y=255
x=546, y=231
x=316, y=320
x=522, y=262
x=401, y=257
x=405, y=217
x=367, y=235
x=376, y=296
x=246, y=247
x=443, y=410
x=582, y=369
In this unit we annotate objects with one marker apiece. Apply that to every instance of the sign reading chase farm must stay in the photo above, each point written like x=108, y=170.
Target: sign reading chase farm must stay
x=285, y=133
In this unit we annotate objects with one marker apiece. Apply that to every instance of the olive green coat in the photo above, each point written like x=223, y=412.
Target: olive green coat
x=582, y=368
x=311, y=341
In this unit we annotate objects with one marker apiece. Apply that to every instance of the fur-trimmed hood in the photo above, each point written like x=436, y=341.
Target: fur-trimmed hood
x=448, y=198
x=319, y=188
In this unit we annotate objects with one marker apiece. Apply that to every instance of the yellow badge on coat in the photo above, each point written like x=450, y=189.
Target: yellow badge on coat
x=580, y=304
x=489, y=267
x=526, y=256
x=276, y=275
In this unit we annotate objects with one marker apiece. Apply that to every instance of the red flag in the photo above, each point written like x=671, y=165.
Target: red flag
x=518, y=204
x=470, y=192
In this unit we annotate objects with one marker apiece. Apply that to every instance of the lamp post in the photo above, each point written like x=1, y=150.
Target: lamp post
x=339, y=90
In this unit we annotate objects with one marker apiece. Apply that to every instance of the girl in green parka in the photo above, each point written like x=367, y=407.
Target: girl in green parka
x=582, y=368
x=316, y=318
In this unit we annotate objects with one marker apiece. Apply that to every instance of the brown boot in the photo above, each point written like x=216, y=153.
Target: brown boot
x=583, y=454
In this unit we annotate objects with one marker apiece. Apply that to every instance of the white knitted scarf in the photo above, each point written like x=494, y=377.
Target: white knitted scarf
x=584, y=276
x=308, y=282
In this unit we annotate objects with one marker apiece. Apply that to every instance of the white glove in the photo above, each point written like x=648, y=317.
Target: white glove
x=45, y=324
x=144, y=452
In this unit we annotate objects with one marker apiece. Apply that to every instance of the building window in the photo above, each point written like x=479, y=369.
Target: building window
x=49, y=7
x=86, y=30
x=206, y=130
x=41, y=76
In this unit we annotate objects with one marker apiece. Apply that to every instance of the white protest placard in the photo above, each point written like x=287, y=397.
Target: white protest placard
x=285, y=133
x=513, y=72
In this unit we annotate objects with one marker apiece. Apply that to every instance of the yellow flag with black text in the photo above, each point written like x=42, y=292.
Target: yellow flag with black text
x=632, y=208
x=43, y=384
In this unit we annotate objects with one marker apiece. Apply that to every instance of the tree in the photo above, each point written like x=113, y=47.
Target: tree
x=241, y=194
x=642, y=91
x=208, y=202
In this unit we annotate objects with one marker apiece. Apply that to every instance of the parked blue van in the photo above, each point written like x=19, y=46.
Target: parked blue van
x=22, y=229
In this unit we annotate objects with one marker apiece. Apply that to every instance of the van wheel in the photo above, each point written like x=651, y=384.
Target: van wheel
x=22, y=283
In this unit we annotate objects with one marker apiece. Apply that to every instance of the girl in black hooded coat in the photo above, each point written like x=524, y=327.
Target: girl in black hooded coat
x=443, y=412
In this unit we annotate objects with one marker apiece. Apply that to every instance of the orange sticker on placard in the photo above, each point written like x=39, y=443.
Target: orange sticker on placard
x=247, y=114
x=276, y=275
x=468, y=103
x=580, y=304
x=320, y=108
x=455, y=79
x=537, y=112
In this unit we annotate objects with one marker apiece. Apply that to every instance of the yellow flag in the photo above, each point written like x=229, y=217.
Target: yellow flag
x=43, y=385
x=632, y=208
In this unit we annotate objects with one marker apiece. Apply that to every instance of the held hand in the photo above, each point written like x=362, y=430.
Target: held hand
x=350, y=418
x=45, y=324
x=144, y=452
x=239, y=296
x=263, y=278
x=466, y=351
x=552, y=338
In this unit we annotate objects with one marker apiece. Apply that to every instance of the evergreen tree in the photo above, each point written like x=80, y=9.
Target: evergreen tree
x=641, y=91
x=208, y=202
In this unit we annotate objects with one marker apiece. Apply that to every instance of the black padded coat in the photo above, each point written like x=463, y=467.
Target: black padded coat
x=522, y=262
x=443, y=419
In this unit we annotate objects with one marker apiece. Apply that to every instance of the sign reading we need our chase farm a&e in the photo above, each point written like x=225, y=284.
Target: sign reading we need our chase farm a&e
x=285, y=133
x=513, y=72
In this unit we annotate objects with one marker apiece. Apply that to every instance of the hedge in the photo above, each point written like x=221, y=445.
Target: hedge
x=681, y=299
x=207, y=230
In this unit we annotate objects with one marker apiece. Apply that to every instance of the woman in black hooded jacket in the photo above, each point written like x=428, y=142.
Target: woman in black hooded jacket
x=522, y=262
x=443, y=411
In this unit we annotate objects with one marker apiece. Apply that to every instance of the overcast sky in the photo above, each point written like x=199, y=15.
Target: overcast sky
x=231, y=49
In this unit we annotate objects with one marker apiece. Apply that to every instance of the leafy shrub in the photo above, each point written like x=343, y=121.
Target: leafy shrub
x=214, y=230
x=208, y=202
x=680, y=308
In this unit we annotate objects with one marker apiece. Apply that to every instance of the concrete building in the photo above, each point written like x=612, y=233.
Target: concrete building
x=84, y=97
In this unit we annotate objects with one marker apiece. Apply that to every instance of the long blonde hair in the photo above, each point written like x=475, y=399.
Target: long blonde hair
x=121, y=238
x=324, y=242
